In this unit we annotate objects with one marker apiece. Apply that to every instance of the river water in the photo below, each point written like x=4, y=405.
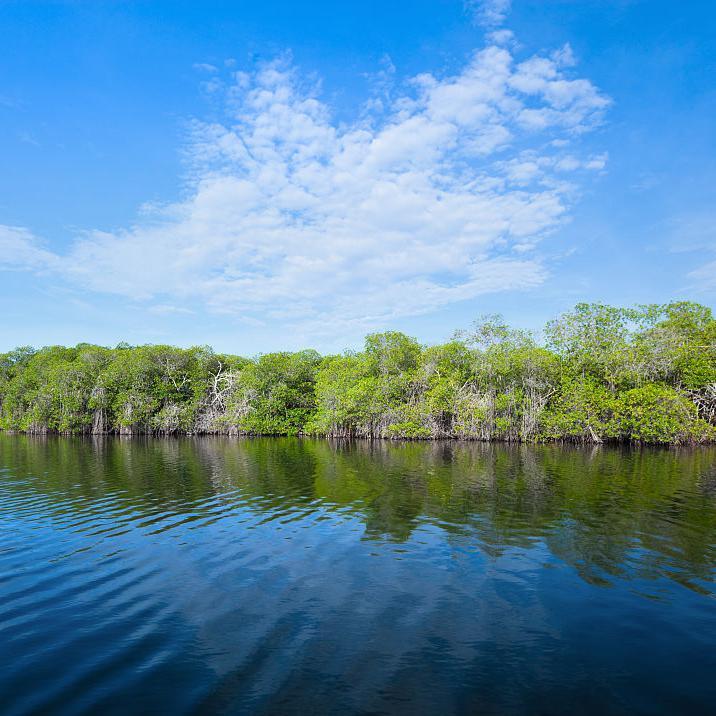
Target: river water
x=279, y=575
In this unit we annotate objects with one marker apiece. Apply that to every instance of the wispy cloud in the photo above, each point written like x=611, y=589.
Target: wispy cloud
x=704, y=276
x=27, y=138
x=10, y=102
x=488, y=13
x=697, y=233
x=436, y=194
x=20, y=250
x=693, y=232
x=205, y=67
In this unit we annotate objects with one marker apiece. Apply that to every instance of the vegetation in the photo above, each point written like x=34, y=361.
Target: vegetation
x=599, y=373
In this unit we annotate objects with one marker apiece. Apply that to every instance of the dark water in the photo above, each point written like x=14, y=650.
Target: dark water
x=288, y=576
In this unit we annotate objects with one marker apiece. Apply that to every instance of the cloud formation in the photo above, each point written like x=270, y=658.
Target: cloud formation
x=697, y=233
x=488, y=13
x=437, y=195
x=20, y=250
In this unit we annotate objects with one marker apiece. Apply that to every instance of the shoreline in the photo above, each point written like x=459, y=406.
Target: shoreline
x=565, y=442
x=644, y=375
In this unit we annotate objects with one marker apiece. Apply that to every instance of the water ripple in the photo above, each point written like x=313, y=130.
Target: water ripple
x=178, y=576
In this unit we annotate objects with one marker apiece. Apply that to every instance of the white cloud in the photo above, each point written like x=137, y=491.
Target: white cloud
x=488, y=13
x=705, y=276
x=292, y=217
x=20, y=250
x=697, y=233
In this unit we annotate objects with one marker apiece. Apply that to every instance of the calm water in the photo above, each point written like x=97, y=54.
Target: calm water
x=299, y=576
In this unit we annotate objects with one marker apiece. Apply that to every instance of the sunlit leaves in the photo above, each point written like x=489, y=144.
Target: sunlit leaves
x=645, y=374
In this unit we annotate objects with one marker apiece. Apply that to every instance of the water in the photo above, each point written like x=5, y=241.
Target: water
x=299, y=576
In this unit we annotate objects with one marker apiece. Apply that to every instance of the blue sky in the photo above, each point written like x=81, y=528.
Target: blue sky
x=257, y=176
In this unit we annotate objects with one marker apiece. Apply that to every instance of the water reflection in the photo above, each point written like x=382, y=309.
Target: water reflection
x=592, y=507
x=295, y=574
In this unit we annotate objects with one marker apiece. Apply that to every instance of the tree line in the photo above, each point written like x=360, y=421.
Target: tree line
x=596, y=373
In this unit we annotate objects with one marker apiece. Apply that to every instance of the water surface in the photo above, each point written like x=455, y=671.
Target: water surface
x=303, y=576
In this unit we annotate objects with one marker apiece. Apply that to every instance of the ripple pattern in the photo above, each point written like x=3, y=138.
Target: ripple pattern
x=299, y=576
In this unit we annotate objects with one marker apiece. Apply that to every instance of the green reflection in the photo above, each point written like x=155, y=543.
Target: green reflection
x=605, y=512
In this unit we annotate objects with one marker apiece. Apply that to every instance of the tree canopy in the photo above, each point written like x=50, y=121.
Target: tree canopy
x=642, y=374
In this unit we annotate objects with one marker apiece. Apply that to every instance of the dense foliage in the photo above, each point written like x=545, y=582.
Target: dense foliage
x=645, y=374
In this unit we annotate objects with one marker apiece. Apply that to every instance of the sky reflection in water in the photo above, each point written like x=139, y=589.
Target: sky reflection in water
x=288, y=575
